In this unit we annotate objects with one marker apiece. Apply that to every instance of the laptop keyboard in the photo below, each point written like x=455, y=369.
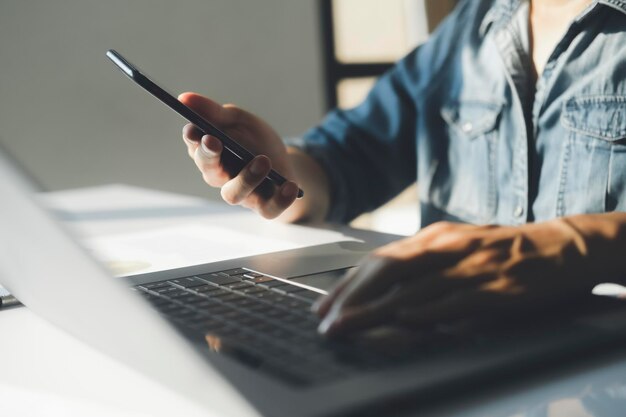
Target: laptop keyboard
x=264, y=322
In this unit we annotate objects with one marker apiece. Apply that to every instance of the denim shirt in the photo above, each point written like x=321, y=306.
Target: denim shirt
x=486, y=146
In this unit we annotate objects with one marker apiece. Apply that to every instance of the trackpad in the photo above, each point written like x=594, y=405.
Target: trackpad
x=323, y=280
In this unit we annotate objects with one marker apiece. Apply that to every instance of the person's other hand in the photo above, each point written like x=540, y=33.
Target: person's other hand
x=243, y=187
x=453, y=272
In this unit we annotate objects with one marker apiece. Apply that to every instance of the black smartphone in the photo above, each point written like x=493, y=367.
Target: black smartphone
x=239, y=156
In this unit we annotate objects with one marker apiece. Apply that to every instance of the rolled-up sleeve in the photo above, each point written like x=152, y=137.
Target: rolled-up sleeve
x=369, y=152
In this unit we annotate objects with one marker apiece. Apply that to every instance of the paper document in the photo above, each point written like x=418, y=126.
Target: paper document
x=135, y=230
x=185, y=245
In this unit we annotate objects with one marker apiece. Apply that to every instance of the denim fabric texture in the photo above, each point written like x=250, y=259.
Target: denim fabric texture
x=486, y=144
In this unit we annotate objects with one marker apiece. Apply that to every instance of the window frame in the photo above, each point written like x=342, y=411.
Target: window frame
x=334, y=70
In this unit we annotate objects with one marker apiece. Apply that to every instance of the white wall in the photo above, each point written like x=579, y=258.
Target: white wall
x=74, y=120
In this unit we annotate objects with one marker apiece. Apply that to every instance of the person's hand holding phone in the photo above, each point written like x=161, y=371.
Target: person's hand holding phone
x=244, y=187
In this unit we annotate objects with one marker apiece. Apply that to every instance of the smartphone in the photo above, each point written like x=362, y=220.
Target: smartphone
x=239, y=156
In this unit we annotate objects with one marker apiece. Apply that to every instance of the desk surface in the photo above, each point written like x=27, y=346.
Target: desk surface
x=46, y=371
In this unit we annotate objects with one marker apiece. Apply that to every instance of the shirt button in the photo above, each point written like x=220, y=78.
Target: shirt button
x=519, y=211
x=467, y=127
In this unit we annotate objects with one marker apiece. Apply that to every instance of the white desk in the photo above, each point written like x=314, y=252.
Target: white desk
x=47, y=372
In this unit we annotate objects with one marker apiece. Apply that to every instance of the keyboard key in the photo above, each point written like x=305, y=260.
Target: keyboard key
x=147, y=295
x=275, y=298
x=297, y=306
x=216, y=310
x=249, y=321
x=189, y=298
x=288, y=289
x=203, y=304
x=211, y=326
x=176, y=294
x=188, y=282
x=262, y=278
x=290, y=319
x=155, y=285
x=205, y=288
x=252, y=290
x=307, y=296
x=272, y=283
x=219, y=279
x=259, y=325
x=194, y=300
x=236, y=271
x=244, y=302
x=165, y=290
x=258, y=307
x=158, y=301
x=215, y=295
x=274, y=312
x=237, y=285
x=231, y=297
x=182, y=314
x=266, y=297
x=168, y=308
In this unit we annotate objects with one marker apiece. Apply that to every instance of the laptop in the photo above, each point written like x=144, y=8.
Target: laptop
x=237, y=336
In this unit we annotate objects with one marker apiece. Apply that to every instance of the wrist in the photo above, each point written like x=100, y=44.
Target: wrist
x=604, y=239
x=312, y=178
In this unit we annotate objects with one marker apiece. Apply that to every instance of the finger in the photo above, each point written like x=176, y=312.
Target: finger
x=347, y=319
x=191, y=137
x=240, y=187
x=211, y=110
x=355, y=319
x=323, y=304
x=341, y=310
x=207, y=159
x=380, y=274
x=266, y=195
x=282, y=198
x=374, y=273
x=192, y=133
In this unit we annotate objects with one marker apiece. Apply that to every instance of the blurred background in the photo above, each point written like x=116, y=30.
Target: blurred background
x=73, y=120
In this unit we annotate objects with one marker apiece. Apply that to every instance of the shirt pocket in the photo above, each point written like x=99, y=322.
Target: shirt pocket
x=593, y=167
x=464, y=179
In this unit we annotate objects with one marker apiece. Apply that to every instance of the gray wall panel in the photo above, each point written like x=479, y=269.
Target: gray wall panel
x=73, y=120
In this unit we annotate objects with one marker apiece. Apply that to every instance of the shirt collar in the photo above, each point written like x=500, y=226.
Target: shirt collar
x=615, y=4
x=503, y=10
x=500, y=13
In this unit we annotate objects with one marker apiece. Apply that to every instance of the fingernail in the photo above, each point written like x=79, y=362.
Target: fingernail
x=288, y=190
x=325, y=325
x=205, y=147
x=257, y=167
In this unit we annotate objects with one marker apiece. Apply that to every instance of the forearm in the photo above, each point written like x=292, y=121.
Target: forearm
x=312, y=178
x=604, y=237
